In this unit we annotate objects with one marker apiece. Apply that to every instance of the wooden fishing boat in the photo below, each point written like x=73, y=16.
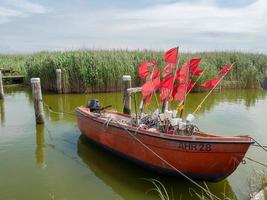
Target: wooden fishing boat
x=201, y=155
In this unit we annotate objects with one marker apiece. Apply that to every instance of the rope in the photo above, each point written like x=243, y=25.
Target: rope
x=260, y=163
x=166, y=162
x=58, y=112
x=259, y=145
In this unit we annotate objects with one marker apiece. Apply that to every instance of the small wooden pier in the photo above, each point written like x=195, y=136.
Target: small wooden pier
x=9, y=78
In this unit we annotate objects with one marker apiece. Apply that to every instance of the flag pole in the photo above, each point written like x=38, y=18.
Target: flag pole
x=180, y=104
x=176, y=69
x=199, y=106
x=183, y=103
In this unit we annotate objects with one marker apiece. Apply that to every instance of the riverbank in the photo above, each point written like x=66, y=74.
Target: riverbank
x=88, y=71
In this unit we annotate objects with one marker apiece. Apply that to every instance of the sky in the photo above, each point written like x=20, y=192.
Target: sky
x=193, y=25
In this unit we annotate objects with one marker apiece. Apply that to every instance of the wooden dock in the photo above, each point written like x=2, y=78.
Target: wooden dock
x=13, y=79
x=9, y=77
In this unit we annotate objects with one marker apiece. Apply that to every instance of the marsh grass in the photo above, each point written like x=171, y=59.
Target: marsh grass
x=258, y=182
x=206, y=194
x=102, y=70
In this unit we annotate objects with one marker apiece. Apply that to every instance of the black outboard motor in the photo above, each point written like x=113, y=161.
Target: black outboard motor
x=94, y=105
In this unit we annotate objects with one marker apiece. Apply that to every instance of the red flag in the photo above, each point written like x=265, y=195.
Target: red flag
x=156, y=83
x=155, y=73
x=164, y=94
x=147, y=88
x=190, y=86
x=171, y=55
x=150, y=86
x=194, y=63
x=198, y=72
x=225, y=69
x=211, y=83
x=180, y=92
x=183, y=73
x=143, y=68
x=168, y=82
x=167, y=69
x=148, y=99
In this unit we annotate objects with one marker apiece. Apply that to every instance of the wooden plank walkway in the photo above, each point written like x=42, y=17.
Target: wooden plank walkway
x=13, y=79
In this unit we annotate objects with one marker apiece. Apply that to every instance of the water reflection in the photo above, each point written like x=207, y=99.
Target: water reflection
x=126, y=178
x=2, y=112
x=40, y=145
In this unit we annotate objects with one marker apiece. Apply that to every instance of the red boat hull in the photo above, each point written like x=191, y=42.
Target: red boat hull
x=204, y=157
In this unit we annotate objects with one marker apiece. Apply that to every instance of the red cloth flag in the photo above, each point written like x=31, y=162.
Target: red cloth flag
x=156, y=83
x=147, y=88
x=168, y=82
x=198, y=72
x=190, y=86
x=171, y=55
x=150, y=86
x=193, y=64
x=164, y=94
x=183, y=73
x=225, y=69
x=180, y=92
x=155, y=73
x=143, y=68
x=167, y=69
x=211, y=83
x=148, y=99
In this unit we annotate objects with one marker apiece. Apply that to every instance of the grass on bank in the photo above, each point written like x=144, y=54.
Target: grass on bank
x=102, y=70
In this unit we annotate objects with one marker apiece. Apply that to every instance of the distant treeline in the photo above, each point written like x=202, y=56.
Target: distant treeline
x=102, y=70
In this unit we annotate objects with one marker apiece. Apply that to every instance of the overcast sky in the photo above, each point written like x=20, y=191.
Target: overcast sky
x=194, y=25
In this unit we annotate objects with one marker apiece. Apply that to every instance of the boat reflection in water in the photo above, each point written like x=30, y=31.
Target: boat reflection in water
x=129, y=181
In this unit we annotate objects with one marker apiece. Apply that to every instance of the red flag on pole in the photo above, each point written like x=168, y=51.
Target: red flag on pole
x=211, y=83
x=167, y=83
x=171, y=55
x=180, y=92
x=183, y=73
x=198, y=72
x=148, y=99
x=150, y=86
x=225, y=69
x=143, y=68
x=167, y=69
x=164, y=94
x=193, y=64
x=155, y=74
x=190, y=86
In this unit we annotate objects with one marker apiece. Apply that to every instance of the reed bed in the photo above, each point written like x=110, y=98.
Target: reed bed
x=102, y=70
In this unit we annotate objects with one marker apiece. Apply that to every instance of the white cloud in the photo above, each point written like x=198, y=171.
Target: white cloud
x=193, y=25
x=203, y=16
x=12, y=9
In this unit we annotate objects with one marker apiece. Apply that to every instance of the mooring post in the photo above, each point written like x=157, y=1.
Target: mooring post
x=1, y=86
x=38, y=100
x=126, y=96
x=59, y=81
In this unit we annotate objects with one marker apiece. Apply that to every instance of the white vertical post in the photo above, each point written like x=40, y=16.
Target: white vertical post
x=38, y=100
x=126, y=96
x=1, y=86
x=59, y=81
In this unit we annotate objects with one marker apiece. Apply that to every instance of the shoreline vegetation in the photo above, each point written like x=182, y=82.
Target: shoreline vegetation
x=86, y=71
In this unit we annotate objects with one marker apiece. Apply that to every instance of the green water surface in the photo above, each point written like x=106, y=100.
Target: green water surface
x=53, y=161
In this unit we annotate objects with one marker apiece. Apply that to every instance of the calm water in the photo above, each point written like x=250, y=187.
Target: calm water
x=54, y=162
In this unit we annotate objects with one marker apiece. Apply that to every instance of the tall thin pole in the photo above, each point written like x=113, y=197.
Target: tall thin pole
x=176, y=69
x=126, y=96
x=38, y=100
x=59, y=80
x=199, y=106
x=1, y=86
